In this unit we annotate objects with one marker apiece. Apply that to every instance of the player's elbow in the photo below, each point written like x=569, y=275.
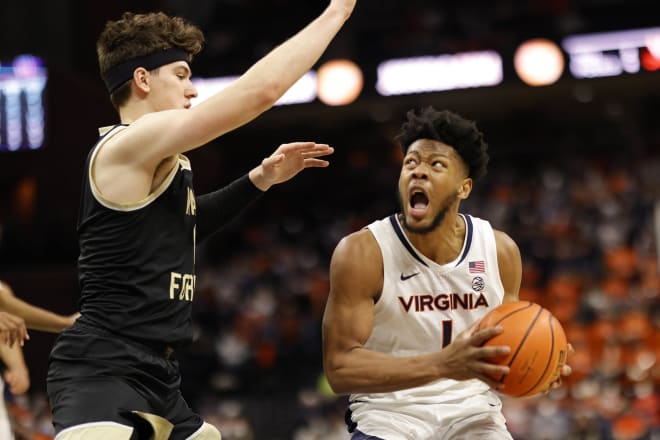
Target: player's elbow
x=5, y=294
x=267, y=94
x=335, y=377
x=336, y=384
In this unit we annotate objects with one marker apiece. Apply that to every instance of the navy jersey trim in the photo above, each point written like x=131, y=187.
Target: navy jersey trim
x=468, y=238
x=404, y=241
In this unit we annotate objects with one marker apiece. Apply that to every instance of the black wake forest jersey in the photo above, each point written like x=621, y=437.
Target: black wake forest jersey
x=137, y=264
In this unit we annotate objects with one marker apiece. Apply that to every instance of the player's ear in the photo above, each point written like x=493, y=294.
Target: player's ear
x=141, y=78
x=465, y=188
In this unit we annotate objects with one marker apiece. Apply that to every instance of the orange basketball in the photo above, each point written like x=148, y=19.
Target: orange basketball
x=538, y=347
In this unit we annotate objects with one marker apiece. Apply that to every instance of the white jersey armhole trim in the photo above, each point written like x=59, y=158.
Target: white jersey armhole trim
x=499, y=277
x=183, y=162
x=493, y=250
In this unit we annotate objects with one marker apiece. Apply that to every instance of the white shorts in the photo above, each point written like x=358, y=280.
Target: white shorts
x=477, y=417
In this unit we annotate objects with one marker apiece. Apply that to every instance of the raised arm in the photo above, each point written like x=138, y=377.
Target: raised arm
x=35, y=317
x=356, y=275
x=162, y=134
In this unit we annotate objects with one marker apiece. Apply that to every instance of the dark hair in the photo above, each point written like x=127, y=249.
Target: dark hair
x=136, y=35
x=451, y=129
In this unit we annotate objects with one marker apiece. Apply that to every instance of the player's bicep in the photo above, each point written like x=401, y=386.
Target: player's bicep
x=510, y=265
x=152, y=138
x=355, y=280
x=162, y=134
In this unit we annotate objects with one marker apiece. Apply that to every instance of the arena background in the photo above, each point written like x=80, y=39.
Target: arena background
x=574, y=179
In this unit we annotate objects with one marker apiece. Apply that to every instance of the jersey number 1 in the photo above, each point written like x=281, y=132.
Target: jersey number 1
x=446, y=333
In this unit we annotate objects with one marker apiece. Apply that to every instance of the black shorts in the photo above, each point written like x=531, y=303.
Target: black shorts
x=97, y=376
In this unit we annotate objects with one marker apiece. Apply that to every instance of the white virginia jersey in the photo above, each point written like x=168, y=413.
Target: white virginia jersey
x=425, y=305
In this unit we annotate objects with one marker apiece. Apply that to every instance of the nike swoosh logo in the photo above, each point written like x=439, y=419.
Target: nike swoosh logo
x=406, y=277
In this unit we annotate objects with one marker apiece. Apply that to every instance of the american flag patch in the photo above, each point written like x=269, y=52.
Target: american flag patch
x=477, y=266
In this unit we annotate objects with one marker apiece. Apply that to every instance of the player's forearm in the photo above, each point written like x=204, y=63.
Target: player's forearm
x=275, y=73
x=216, y=209
x=45, y=321
x=16, y=374
x=12, y=357
x=366, y=371
x=289, y=61
x=257, y=90
x=36, y=318
x=285, y=64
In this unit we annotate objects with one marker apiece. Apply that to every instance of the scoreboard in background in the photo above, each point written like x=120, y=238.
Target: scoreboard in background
x=613, y=53
x=22, y=119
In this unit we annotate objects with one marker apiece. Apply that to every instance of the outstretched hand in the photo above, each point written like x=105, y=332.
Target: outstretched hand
x=467, y=358
x=12, y=329
x=287, y=161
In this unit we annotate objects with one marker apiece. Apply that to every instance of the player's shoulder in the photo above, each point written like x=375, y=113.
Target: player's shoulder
x=357, y=261
x=507, y=248
x=360, y=240
x=4, y=287
x=357, y=247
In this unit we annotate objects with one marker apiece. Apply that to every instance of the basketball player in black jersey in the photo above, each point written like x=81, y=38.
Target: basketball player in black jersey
x=114, y=374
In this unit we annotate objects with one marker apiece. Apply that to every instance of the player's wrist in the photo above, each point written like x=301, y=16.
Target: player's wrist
x=338, y=11
x=258, y=178
x=435, y=365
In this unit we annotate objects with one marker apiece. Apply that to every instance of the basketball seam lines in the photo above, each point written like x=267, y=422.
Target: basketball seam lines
x=547, y=364
x=529, y=304
x=513, y=358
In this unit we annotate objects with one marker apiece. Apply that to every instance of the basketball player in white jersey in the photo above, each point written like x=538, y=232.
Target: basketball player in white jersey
x=398, y=331
x=15, y=373
x=16, y=316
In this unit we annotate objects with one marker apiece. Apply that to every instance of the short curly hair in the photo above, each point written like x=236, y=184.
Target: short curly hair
x=451, y=129
x=136, y=35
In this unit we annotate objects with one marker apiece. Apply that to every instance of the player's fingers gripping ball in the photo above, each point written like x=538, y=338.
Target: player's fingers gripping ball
x=538, y=347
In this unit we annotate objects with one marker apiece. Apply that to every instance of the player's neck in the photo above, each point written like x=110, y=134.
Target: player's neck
x=444, y=243
x=128, y=116
x=134, y=109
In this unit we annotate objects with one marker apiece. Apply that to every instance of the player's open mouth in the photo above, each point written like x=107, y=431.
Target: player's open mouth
x=419, y=202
